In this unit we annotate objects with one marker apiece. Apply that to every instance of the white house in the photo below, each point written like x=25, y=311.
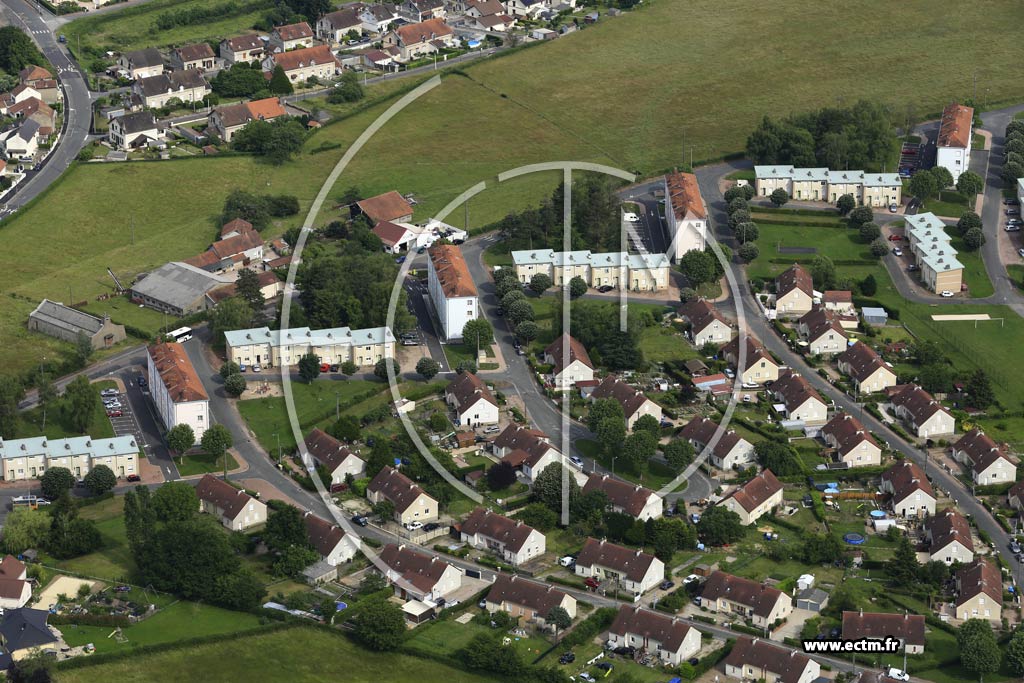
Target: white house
x=569, y=361
x=926, y=417
x=753, y=659
x=514, y=542
x=800, y=400
x=411, y=503
x=707, y=325
x=418, y=576
x=452, y=290
x=988, y=462
x=866, y=368
x=633, y=570
x=334, y=456
x=953, y=145
x=15, y=590
x=235, y=508
x=760, y=603
x=686, y=214
x=949, y=538
x=291, y=37
x=633, y=401
x=330, y=540
x=730, y=451
x=670, y=640
x=853, y=443
x=912, y=494
x=756, y=498
x=822, y=331
x=133, y=130
x=631, y=499
x=175, y=389
x=473, y=402
x=979, y=592
x=527, y=600
x=907, y=628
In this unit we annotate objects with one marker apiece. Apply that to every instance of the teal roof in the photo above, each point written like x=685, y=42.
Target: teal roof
x=61, y=448
x=774, y=171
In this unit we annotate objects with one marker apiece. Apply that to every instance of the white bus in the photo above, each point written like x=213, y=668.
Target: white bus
x=181, y=334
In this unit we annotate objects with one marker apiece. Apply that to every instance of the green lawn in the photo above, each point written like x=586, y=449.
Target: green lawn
x=204, y=462
x=449, y=636
x=978, y=141
x=113, y=561
x=122, y=311
x=978, y=284
x=58, y=422
x=1015, y=271
x=458, y=353
x=179, y=621
x=653, y=475
x=838, y=243
x=662, y=344
x=948, y=204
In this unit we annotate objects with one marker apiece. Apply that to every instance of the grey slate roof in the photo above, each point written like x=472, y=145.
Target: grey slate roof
x=59, y=315
x=178, y=284
x=138, y=121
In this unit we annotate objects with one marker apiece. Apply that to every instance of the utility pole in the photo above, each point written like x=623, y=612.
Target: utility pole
x=279, y=455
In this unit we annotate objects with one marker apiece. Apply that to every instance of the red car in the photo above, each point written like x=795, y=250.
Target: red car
x=114, y=413
x=591, y=582
x=133, y=477
x=895, y=238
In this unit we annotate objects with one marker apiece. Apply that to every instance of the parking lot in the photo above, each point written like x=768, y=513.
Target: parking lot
x=914, y=157
x=122, y=417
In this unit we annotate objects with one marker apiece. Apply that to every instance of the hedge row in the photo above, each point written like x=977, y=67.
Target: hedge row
x=807, y=258
x=586, y=630
x=110, y=620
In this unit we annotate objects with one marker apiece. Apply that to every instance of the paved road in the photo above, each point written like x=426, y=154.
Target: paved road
x=77, y=112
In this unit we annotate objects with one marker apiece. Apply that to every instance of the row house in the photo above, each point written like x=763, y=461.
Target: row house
x=30, y=458
x=155, y=92
x=620, y=270
x=761, y=604
x=933, y=252
x=828, y=185
x=275, y=348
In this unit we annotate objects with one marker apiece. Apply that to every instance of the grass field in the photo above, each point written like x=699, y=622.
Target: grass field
x=203, y=463
x=58, y=424
x=948, y=204
x=113, y=561
x=299, y=655
x=662, y=344
x=975, y=275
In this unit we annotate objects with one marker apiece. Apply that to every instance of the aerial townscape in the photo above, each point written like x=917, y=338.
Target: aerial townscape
x=481, y=341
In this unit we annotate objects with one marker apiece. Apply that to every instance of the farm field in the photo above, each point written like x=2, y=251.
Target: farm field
x=298, y=655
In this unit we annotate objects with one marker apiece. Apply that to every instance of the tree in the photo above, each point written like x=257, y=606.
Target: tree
x=380, y=369
x=869, y=232
x=678, y=454
x=970, y=184
x=859, y=216
x=506, y=286
x=292, y=560
x=698, y=267
x=973, y=239
x=216, y=440
x=229, y=368
x=687, y=294
x=603, y=409
x=83, y=349
x=979, y=390
x=81, y=400
x=577, y=287
x=56, y=481
x=519, y=311
x=240, y=81
x=240, y=590
x=285, y=528
x=477, y=333
x=538, y=516
x=979, y=650
x=349, y=368
x=34, y=668
x=384, y=510
x=277, y=141
x=24, y=529
x=779, y=197
x=180, y=438
x=347, y=428
x=749, y=252
x=737, y=203
x=559, y=618
x=648, y=423
x=1014, y=649
x=868, y=286
x=69, y=535
x=348, y=90
x=512, y=297
x=719, y=525
x=903, y=567
x=500, y=476
x=780, y=458
x=547, y=487
x=279, y=83
x=427, y=368
x=540, y=283
x=11, y=394
x=234, y=313
x=611, y=434
x=247, y=286
x=968, y=220
x=846, y=204
x=943, y=178
x=309, y=367
x=527, y=330
x=100, y=479
x=923, y=185
x=1012, y=169
x=235, y=385
x=185, y=557
x=17, y=50
x=174, y=501
x=823, y=272
x=638, y=448
x=739, y=216
x=747, y=232
x=879, y=248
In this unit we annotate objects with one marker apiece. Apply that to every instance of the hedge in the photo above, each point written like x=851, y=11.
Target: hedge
x=596, y=623
x=799, y=258
x=110, y=620
x=993, y=489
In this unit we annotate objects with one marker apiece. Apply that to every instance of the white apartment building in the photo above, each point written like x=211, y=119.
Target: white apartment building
x=274, y=348
x=686, y=214
x=30, y=458
x=175, y=388
x=451, y=289
x=637, y=272
x=827, y=185
x=953, y=145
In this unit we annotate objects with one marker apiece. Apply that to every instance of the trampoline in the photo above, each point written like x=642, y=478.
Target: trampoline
x=854, y=539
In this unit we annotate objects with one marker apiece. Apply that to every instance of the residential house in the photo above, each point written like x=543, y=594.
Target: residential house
x=235, y=226
x=707, y=325
x=754, y=659
x=24, y=633
x=527, y=601
x=304, y=63
x=666, y=637
x=794, y=292
x=759, y=366
x=636, y=272
x=228, y=120
x=411, y=503
x=17, y=95
x=949, y=538
x=416, y=40
x=865, y=367
x=177, y=288
x=933, y=252
x=492, y=22
x=631, y=499
x=235, y=508
x=853, y=443
x=528, y=9
x=1015, y=497
x=632, y=570
x=270, y=285
x=199, y=56
x=415, y=11
x=840, y=301
x=329, y=540
x=23, y=142
x=34, y=109
x=801, y=402
x=633, y=401
x=335, y=27
x=30, y=458
x=334, y=456
x=63, y=322
x=822, y=331
x=473, y=402
x=926, y=417
x=42, y=81
x=907, y=628
x=247, y=48
x=155, y=92
x=979, y=588
x=756, y=498
x=953, y=145
x=758, y=602
x=334, y=346
x=527, y=451
x=823, y=184
x=911, y=492
x=141, y=63
x=569, y=361
x=378, y=17
x=989, y=463
x=731, y=451
x=291, y=37
x=15, y=589
x=389, y=206
x=134, y=130
x=686, y=213
x=175, y=389
x=451, y=289
x=514, y=542
x=418, y=576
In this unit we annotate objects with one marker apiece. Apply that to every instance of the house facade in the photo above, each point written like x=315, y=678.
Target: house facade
x=187, y=86
x=755, y=659
x=248, y=48
x=949, y=538
x=707, y=325
x=911, y=493
x=731, y=450
x=416, y=40
x=141, y=63
x=853, y=443
x=235, y=508
x=802, y=403
x=979, y=589
x=334, y=456
x=760, y=603
x=329, y=540
x=865, y=367
x=30, y=458
x=630, y=499
x=686, y=214
x=822, y=331
x=291, y=37
x=756, y=498
x=527, y=601
x=175, y=389
x=907, y=628
x=953, y=145
x=411, y=503
x=473, y=402
x=451, y=289
x=511, y=540
x=631, y=570
x=666, y=637
x=569, y=361
x=988, y=462
x=304, y=63
x=418, y=576
x=133, y=130
x=828, y=185
x=794, y=292
x=926, y=417
x=759, y=366
x=933, y=252
x=275, y=348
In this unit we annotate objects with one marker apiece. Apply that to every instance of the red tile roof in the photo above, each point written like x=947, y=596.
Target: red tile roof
x=396, y=487
x=666, y=630
x=516, y=436
x=981, y=450
x=452, y=271
x=238, y=225
x=862, y=361
x=794, y=278
x=633, y=564
x=177, y=373
x=577, y=351
x=294, y=31
x=422, y=32
x=848, y=432
x=197, y=51
x=389, y=233
x=955, y=126
x=230, y=246
x=787, y=665
x=303, y=57
x=907, y=627
x=33, y=73
x=756, y=352
x=467, y=388
x=323, y=535
x=267, y=109
x=630, y=398
x=421, y=570
x=389, y=206
x=11, y=568
x=534, y=596
x=222, y=495
x=919, y=403
x=700, y=314
x=757, y=490
x=836, y=296
x=512, y=533
x=981, y=576
x=244, y=43
x=327, y=450
x=758, y=597
x=684, y=196
x=794, y=390
x=905, y=478
x=632, y=498
x=946, y=527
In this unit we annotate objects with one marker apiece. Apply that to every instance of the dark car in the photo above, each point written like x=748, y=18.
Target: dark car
x=625, y=650
x=1011, y=202
x=334, y=367
x=1013, y=211
x=693, y=661
x=667, y=584
x=567, y=658
x=133, y=477
x=141, y=381
x=591, y=582
x=604, y=289
x=604, y=666
x=431, y=527
x=361, y=520
x=123, y=589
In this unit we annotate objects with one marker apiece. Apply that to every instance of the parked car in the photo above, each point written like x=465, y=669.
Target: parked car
x=133, y=477
x=897, y=674
x=324, y=367
x=895, y=238
x=334, y=367
x=141, y=381
x=256, y=368
x=400, y=260
x=493, y=429
x=433, y=526
x=591, y=582
x=1013, y=212
x=113, y=405
x=667, y=584
x=896, y=251
x=414, y=526
x=1010, y=201
x=576, y=460
x=604, y=289
x=567, y=658
x=913, y=267
x=361, y=520
x=946, y=294
x=587, y=677
x=241, y=367
x=690, y=579
x=893, y=208
x=631, y=217
x=114, y=413
x=108, y=392
x=567, y=561
x=625, y=651
x=1014, y=547
x=1013, y=228
x=606, y=667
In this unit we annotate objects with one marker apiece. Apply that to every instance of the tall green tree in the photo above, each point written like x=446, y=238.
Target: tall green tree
x=139, y=517
x=1014, y=650
x=698, y=267
x=235, y=385
x=477, y=333
x=970, y=184
x=427, y=368
x=100, y=479
x=547, y=487
x=181, y=438
x=24, y=529
x=979, y=650
x=233, y=313
x=380, y=626
x=11, y=393
x=380, y=369
x=979, y=390
x=70, y=536
x=943, y=178
x=81, y=401
x=923, y=185
x=846, y=204
x=285, y=528
x=719, y=526
x=247, y=286
x=83, y=349
x=279, y=83
x=216, y=440
x=309, y=367
x=902, y=569
x=174, y=501
x=678, y=454
x=540, y=283
x=17, y=50
x=56, y=481
x=779, y=197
